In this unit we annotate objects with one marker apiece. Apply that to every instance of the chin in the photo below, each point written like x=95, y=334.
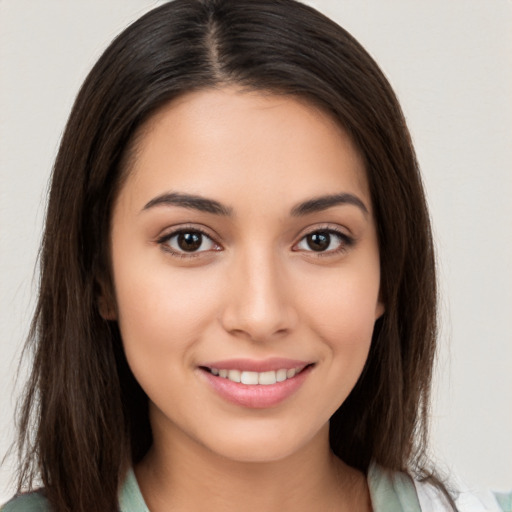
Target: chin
x=273, y=452
x=265, y=444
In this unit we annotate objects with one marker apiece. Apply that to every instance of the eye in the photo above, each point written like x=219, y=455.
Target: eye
x=326, y=240
x=188, y=241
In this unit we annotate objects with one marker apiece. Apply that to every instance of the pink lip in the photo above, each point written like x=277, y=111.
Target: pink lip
x=256, y=396
x=251, y=365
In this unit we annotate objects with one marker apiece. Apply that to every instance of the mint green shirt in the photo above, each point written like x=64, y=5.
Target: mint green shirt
x=389, y=492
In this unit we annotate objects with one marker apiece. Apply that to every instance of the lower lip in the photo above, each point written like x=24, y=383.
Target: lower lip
x=257, y=396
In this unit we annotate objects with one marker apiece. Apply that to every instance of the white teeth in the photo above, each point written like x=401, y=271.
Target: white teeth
x=267, y=378
x=234, y=375
x=253, y=378
x=280, y=375
x=249, y=378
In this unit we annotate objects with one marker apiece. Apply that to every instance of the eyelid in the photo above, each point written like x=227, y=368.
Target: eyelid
x=347, y=240
x=177, y=230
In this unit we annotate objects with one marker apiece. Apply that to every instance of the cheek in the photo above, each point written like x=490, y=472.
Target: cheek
x=163, y=317
x=343, y=306
x=164, y=311
x=341, y=310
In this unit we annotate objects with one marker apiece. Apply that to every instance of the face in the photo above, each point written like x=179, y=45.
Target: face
x=246, y=272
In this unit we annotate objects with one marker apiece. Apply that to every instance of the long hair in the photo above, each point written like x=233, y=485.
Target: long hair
x=84, y=418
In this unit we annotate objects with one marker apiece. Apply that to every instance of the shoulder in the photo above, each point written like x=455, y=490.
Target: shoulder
x=29, y=502
x=505, y=500
x=395, y=491
x=466, y=500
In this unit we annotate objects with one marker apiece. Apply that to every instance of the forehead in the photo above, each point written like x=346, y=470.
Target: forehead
x=226, y=142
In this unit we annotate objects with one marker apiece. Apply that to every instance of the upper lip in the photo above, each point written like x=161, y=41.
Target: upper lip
x=254, y=365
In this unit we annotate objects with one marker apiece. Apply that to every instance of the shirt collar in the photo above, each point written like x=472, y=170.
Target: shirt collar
x=390, y=491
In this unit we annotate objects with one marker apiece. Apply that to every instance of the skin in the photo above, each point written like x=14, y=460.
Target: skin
x=254, y=289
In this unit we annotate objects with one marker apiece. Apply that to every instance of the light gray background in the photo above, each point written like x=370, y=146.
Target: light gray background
x=450, y=63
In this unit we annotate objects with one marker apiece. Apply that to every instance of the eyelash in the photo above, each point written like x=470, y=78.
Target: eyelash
x=345, y=242
x=163, y=241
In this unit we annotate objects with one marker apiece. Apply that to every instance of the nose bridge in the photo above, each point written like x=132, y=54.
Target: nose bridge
x=258, y=305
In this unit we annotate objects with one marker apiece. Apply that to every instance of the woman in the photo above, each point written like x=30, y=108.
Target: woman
x=237, y=287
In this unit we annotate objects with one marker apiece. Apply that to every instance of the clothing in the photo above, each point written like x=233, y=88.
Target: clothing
x=390, y=492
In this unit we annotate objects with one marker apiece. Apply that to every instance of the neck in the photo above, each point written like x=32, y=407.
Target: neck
x=180, y=474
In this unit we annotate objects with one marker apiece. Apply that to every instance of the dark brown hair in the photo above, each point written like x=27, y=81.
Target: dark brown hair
x=84, y=418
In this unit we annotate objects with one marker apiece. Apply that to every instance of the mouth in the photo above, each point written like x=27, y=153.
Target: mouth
x=253, y=378
x=256, y=385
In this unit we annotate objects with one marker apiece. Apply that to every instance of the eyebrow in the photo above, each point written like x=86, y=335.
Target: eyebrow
x=203, y=204
x=189, y=201
x=318, y=204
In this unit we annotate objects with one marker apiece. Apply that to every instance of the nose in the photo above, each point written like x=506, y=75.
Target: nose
x=258, y=305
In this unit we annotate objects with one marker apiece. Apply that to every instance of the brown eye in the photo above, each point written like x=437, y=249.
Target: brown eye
x=189, y=242
x=319, y=241
x=325, y=241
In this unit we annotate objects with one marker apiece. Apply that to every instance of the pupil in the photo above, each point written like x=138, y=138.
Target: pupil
x=319, y=241
x=189, y=241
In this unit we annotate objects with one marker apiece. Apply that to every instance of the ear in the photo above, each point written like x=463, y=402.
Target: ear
x=105, y=300
x=379, y=309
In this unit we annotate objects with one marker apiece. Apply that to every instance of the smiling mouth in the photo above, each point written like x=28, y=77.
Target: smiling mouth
x=256, y=384
x=250, y=378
